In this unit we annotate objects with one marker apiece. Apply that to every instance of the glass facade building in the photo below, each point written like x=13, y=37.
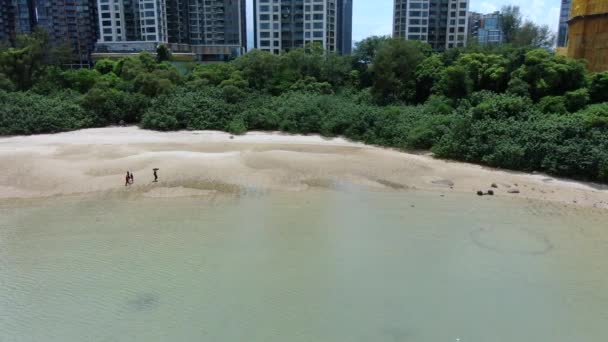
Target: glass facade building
x=345, y=26
x=486, y=29
x=564, y=16
x=441, y=23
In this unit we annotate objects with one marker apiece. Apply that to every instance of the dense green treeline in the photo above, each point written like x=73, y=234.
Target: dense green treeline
x=513, y=107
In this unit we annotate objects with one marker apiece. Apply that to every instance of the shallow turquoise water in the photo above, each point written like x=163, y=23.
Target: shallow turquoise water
x=307, y=266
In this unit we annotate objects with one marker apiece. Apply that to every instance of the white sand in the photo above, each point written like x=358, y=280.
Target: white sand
x=203, y=162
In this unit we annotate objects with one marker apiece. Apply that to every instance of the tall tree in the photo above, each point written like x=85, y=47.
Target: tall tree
x=366, y=49
x=24, y=62
x=511, y=21
x=530, y=34
x=163, y=53
x=394, y=68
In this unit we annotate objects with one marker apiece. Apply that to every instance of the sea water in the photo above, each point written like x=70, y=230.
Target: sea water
x=327, y=265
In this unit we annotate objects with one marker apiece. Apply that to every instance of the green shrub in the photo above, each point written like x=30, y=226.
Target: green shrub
x=28, y=113
x=160, y=121
x=552, y=105
x=577, y=99
x=237, y=126
x=203, y=109
x=110, y=106
x=500, y=106
x=598, y=87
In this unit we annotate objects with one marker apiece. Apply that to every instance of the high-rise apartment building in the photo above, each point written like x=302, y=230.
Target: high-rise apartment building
x=564, y=16
x=133, y=21
x=441, y=23
x=288, y=24
x=209, y=29
x=66, y=21
x=24, y=16
x=345, y=26
x=70, y=21
x=486, y=29
x=7, y=20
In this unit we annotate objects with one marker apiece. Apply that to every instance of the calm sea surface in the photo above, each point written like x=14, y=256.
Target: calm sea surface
x=306, y=266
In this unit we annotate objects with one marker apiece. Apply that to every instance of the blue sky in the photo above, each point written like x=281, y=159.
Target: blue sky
x=374, y=17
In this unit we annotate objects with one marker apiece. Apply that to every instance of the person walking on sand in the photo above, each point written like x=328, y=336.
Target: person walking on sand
x=155, y=175
x=127, y=178
x=131, y=178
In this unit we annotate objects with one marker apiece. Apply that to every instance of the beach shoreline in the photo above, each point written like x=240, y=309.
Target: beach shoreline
x=199, y=163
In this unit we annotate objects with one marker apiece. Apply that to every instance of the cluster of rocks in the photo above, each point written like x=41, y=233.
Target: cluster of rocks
x=495, y=186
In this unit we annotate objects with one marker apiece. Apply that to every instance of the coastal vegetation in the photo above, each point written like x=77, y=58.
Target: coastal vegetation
x=512, y=106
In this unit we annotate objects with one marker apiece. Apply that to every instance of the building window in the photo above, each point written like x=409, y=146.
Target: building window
x=265, y=43
x=414, y=13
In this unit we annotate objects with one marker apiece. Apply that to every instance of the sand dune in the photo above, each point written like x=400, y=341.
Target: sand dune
x=205, y=162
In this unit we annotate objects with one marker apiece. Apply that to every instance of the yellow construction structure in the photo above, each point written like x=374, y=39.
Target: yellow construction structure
x=588, y=33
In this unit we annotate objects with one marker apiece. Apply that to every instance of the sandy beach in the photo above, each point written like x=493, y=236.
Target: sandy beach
x=199, y=163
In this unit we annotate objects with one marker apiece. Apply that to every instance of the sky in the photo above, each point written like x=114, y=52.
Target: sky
x=374, y=17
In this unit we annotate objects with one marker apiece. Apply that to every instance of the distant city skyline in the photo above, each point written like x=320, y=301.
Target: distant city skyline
x=375, y=17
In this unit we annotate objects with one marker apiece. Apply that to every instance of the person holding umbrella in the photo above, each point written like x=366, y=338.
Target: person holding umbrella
x=155, y=175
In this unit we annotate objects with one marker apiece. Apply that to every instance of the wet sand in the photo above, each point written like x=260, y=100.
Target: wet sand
x=201, y=163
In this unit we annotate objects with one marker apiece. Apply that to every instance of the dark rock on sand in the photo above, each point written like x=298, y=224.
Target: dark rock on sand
x=479, y=193
x=513, y=191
